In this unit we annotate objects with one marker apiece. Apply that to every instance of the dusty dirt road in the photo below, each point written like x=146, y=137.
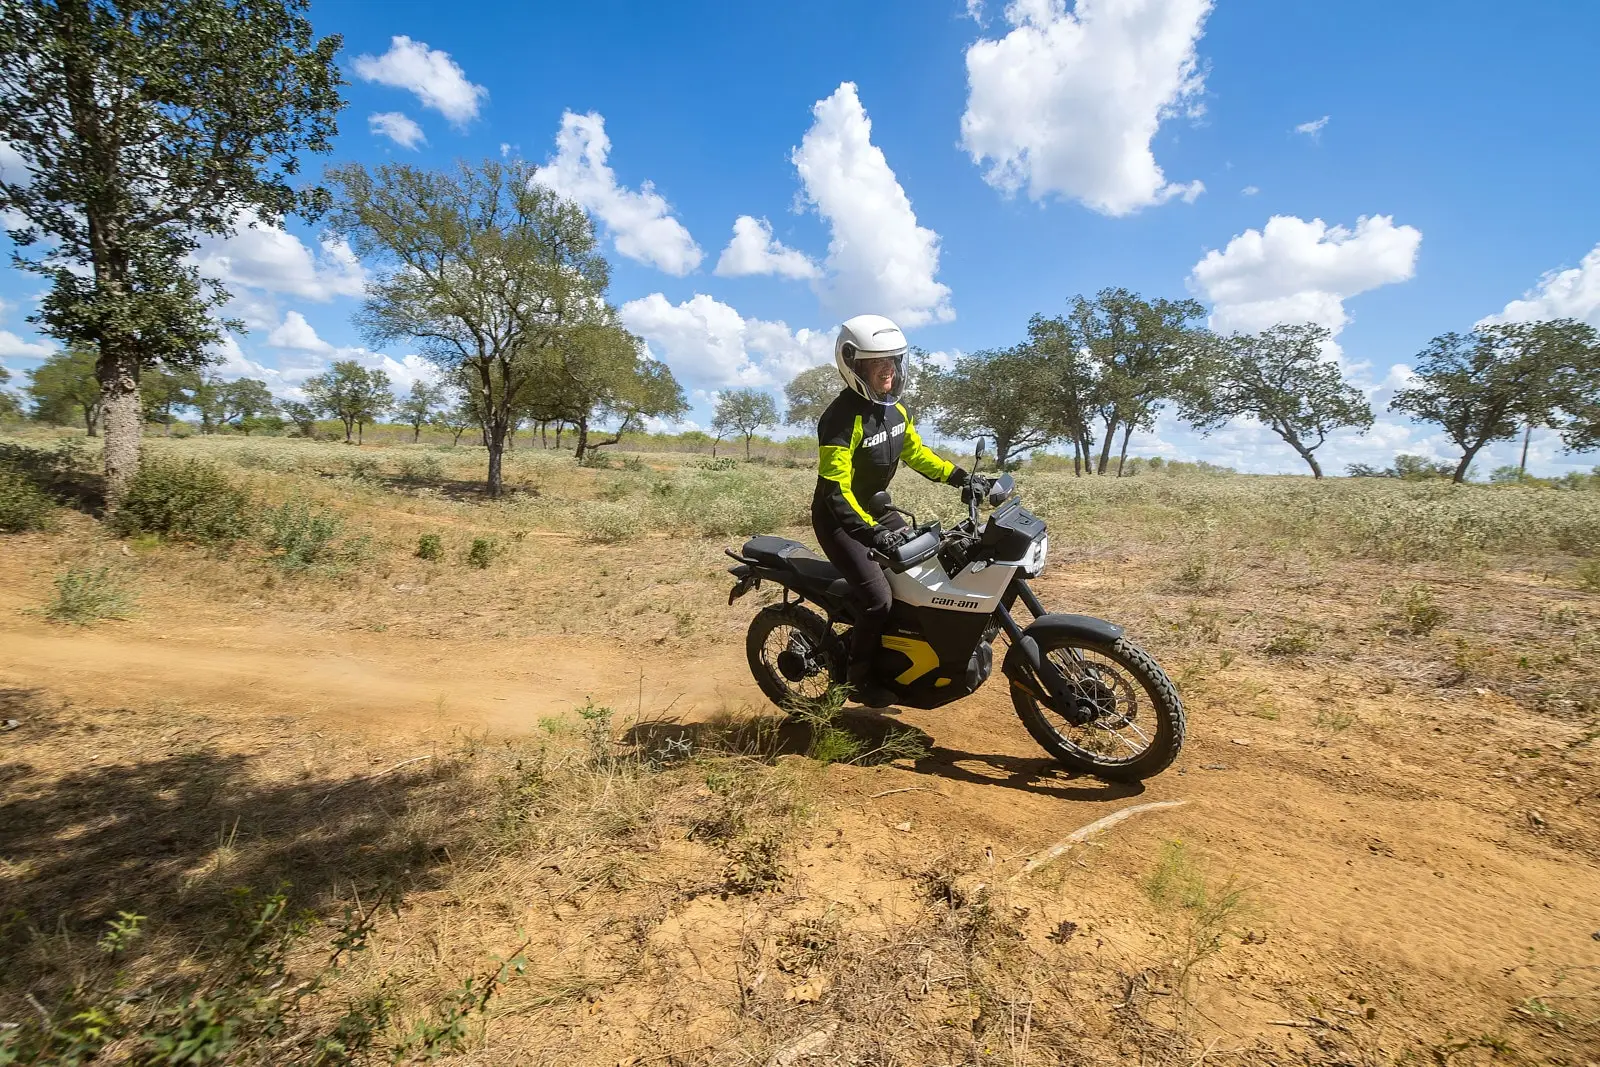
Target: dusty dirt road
x=1422, y=865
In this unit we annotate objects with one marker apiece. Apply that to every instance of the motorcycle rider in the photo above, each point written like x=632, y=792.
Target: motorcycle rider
x=862, y=438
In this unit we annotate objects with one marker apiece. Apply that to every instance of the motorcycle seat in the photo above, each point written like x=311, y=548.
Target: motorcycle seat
x=780, y=553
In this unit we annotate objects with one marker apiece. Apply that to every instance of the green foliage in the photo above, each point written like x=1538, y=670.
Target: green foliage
x=1588, y=576
x=64, y=389
x=1486, y=385
x=23, y=506
x=1005, y=395
x=1295, y=641
x=1178, y=882
x=88, y=594
x=1420, y=612
x=606, y=522
x=483, y=551
x=186, y=500
x=420, y=468
x=430, y=547
x=809, y=393
x=744, y=411
x=720, y=463
x=302, y=535
x=1279, y=377
x=417, y=409
x=350, y=393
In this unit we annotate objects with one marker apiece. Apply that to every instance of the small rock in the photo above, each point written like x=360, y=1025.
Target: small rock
x=903, y=827
x=1239, y=741
x=1535, y=819
x=9, y=724
x=1213, y=766
x=1066, y=928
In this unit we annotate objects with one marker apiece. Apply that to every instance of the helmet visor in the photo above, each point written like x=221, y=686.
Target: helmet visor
x=883, y=373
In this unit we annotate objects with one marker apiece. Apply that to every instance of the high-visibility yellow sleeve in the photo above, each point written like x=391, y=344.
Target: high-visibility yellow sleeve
x=836, y=464
x=918, y=456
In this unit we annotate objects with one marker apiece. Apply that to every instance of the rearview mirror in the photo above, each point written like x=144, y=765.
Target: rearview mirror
x=977, y=455
x=878, y=502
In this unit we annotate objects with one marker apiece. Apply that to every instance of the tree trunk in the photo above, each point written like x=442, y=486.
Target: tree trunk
x=416, y=432
x=1077, y=459
x=747, y=447
x=458, y=432
x=118, y=370
x=1105, y=448
x=496, y=472
x=583, y=439
x=544, y=434
x=361, y=429
x=1467, y=457
x=561, y=425
x=1522, y=469
x=349, y=428
x=90, y=424
x=1127, y=432
x=1086, y=445
x=1311, y=460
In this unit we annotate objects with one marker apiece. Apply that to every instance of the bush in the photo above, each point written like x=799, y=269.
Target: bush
x=22, y=505
x=188, y=500
x=605, y=522
x=85, y=595
x=423, y=468
x=721, y=463
x=430, y=547
x=305, y=535
x=483, y=552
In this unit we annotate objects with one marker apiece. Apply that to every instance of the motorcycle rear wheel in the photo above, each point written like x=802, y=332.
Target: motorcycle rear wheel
x=792, y=656
x=1137, y=725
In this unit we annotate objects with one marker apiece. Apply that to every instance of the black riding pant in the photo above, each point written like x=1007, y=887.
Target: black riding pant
x=866, y=578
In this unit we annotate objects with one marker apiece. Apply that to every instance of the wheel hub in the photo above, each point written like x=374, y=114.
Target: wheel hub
x=796, y=662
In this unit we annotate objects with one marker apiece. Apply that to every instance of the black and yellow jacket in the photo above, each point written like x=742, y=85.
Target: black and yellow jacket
x=859, y=447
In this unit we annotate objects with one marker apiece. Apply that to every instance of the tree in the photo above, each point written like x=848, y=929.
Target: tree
x=143, y=123
x=1278, y=376
x=744, y=411
x=483, y=268
x=304, y=417
x=161, y=391
x=456, y=418
x=9, y=408
x=1070, y=384
x=350, y=393
x=809, y=393
x=1577, y=387
x=1485, y=385
x=1002, y=394
x=598, y=372
x=244, y=402
x=63, y=389
x=417, y=409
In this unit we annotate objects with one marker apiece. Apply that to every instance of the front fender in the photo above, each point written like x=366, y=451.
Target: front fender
x=1024, y=664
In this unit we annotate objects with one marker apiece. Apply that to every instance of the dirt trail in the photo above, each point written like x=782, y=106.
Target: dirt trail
x=1400, y=864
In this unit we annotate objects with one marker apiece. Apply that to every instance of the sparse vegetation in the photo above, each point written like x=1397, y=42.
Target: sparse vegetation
x=186, y=500
x=85, y=595
x=430, y=547
x=483, y=551
x=302, y=535
x=23, y=506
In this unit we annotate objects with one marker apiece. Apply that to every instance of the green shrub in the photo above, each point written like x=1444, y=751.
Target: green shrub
x=85, y=595
x=597, y=459
x=22, y=505
x=606, y=523
x=430, y=547
x=304, y=535
x=1420, y=613
x=422, y=468
x=721, y=463
x=187, y=500
x=483, y=551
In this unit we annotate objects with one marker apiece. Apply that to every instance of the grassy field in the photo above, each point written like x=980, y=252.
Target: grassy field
x=320, y=756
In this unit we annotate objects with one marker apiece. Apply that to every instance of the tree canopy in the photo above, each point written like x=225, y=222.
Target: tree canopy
x=350, y=393
x=1003, y=394
x=484, y=269
x=1280, y=377
x=141, y=125
x=745, y=412
x=63, y=389
x=809, y=393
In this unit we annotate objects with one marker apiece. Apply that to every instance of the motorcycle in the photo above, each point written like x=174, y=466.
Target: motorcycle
x=1089, y=696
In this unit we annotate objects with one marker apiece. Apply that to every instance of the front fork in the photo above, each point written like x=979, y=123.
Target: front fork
x=1039, y=677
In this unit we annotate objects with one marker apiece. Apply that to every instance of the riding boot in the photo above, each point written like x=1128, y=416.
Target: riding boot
x=865, y=690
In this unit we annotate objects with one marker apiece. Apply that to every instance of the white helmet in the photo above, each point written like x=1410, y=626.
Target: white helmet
x=870, y=337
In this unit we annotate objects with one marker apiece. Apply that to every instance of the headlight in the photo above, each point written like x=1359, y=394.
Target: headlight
x=1038, y=552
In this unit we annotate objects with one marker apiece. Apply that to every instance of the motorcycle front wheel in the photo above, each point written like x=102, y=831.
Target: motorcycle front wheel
x=1130, y=717
x=792, y=655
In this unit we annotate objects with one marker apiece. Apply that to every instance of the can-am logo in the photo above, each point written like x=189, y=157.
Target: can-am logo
x=883, y=435
x=948, y=602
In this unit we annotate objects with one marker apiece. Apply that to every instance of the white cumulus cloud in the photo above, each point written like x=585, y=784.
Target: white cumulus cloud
x=641, y=223
x=1068, y=102
x=437, y=80
x=753, y=250
x=879, y=259
x=271, y=258
x=399, y=127
x=1573, y=293
x=297, y=334
x=15, y=347
x=709, y=345
x=1312, y=129
x=1294, y=271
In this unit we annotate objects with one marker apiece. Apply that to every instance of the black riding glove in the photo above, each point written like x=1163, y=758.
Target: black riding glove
x=958, y=478
x=977, y=487
x=888, y=538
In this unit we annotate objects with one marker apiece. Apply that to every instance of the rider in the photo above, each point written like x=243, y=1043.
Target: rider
x=861, y=439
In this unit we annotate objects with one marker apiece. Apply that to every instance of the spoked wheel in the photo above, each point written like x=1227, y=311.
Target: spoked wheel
x=791, y=655
x=1128, y=720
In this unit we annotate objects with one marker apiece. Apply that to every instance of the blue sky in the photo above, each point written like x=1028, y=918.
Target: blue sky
x=1390, y=170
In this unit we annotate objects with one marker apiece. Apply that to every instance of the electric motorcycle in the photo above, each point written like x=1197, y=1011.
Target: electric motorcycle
x=1092, y=698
